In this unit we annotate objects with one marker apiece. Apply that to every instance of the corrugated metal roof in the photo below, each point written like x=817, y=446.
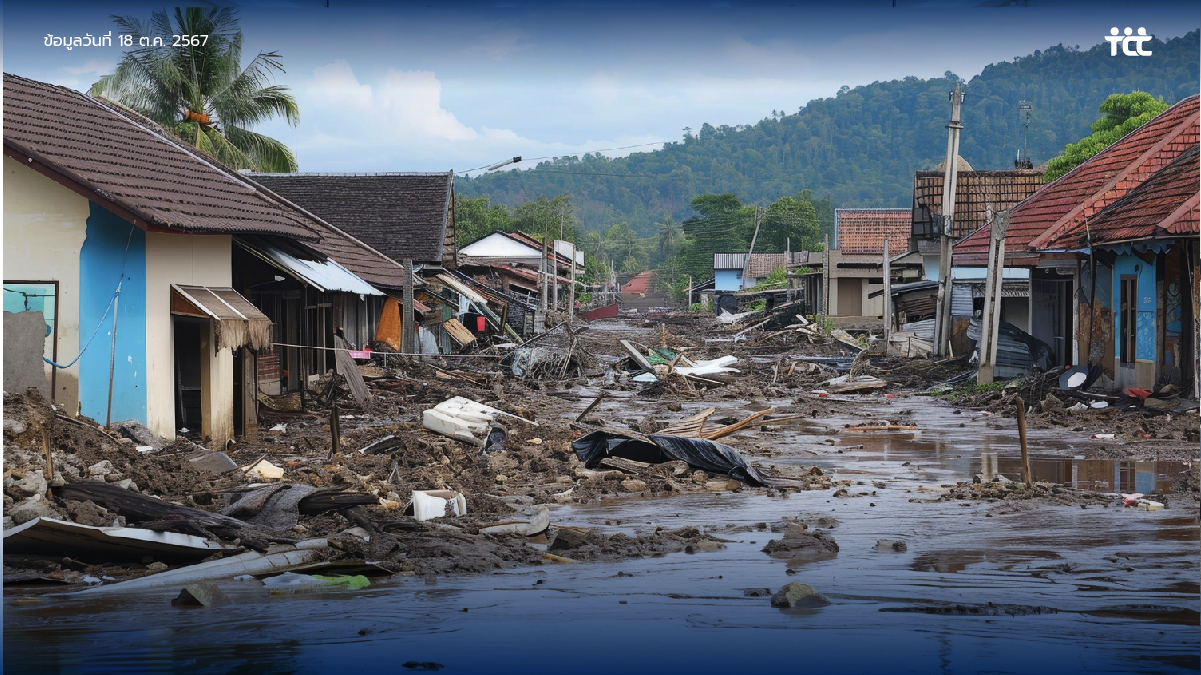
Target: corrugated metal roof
x=325, y=275
x=729, y=261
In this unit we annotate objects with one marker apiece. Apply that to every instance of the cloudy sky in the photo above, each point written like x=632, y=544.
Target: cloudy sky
x=387, y=89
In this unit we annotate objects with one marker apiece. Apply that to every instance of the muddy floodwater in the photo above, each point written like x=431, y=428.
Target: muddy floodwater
x=997, y=587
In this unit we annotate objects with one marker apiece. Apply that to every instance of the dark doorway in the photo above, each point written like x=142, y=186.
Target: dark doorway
x=188, y=332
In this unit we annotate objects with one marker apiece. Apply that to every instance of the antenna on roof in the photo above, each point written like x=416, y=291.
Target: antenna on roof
x=1023, y=158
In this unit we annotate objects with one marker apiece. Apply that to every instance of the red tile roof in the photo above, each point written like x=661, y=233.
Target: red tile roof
x=640, y=283
x=1163, y=206
x=1063, y=205
x=863, y=231
x=121, y=159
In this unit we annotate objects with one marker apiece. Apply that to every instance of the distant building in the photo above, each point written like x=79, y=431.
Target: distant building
x=854, y=267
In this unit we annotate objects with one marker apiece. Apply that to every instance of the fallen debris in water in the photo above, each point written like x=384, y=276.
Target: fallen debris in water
x=657, y=448
x=202, y=594
x=796, y=595
x=50, y=537
x=538, y=523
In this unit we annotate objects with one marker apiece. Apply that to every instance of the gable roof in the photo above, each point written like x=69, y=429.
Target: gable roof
x=1064, y=204
x=977, y=194
x=500, y=249
x=364, y=261
x=402, y=215
x=1163, y=206
x=130, y=165
x=863, y=231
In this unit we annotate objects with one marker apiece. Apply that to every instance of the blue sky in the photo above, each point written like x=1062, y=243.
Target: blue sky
x=388, y=89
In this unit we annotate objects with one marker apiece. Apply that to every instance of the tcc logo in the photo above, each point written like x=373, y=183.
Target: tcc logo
x=1113, y=39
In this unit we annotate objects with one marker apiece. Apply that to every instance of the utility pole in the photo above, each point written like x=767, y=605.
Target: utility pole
x=555, y=263
x=571, y=291
x=942, y=315
x=746, y=265
x=542, y=284
x=408, y=332
x=887, y=298
x=993, y=283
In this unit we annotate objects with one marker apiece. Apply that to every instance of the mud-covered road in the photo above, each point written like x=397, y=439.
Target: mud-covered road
x=931, y=571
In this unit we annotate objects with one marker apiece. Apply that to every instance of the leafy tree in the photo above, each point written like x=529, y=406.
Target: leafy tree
x=201, y=92
x=546, y=217
x=789, y=222
x=1123, y=113
x=671, y=235
x=631, y=265
x=596, y=271
x=476, y=218
x=621, y=241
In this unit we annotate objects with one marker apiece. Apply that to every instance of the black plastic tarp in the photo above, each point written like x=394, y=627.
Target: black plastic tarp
x=697, y=452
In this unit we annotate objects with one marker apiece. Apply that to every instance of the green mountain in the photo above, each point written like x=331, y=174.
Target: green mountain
x=861, y=147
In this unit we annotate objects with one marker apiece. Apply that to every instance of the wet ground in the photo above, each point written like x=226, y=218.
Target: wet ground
x=1001, y=587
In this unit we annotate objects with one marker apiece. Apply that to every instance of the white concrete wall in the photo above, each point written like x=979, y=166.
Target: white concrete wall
x=45, y=225
x=196, y=260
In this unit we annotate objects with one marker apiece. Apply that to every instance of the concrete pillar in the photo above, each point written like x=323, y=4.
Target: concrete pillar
x=216, y=391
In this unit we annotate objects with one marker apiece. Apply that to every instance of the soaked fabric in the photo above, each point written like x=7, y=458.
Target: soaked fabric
x=697, y=452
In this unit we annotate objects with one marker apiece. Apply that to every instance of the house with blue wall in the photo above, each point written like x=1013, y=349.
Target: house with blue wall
x=1112, y=249
x=121, y=235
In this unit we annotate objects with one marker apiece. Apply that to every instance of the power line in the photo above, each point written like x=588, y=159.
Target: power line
x=574, y=154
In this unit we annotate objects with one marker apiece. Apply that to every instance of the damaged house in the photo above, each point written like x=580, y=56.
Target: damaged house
x=854, y=268
x=407, y=218
x=1112, y=251
x=124, y=240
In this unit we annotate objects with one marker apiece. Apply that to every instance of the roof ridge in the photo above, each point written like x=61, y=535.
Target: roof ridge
x=1065, y=222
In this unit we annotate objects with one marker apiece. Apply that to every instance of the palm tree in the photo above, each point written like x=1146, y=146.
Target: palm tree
x=200, y=91
x=670, y=236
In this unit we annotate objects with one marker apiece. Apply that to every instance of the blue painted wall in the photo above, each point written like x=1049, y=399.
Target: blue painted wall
x=727, y=280
x=103, y=261
x=1144, y=333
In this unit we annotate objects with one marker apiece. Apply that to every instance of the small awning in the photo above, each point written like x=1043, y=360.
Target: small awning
x=325, y=275
x=236, y=322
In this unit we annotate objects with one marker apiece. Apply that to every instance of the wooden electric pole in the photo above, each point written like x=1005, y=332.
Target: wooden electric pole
x=942, y=316
x=746, y=265
x=990, y=323
x=887, y=298
x=408, y=332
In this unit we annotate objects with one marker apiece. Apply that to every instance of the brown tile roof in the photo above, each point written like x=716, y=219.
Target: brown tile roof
x=977, y=193
x=1161, y=207
x=402, y=215
x=364, y=261
x=1063, y=205
x=863, y=231
x=124, y=161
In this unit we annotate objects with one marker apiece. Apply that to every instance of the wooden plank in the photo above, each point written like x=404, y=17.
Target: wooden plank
x=638, y=357
x=727, y=430
x=347, y=368
x=692, y=426
x=458, y=332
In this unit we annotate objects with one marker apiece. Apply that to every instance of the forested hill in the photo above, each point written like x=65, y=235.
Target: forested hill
x=860, y=147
